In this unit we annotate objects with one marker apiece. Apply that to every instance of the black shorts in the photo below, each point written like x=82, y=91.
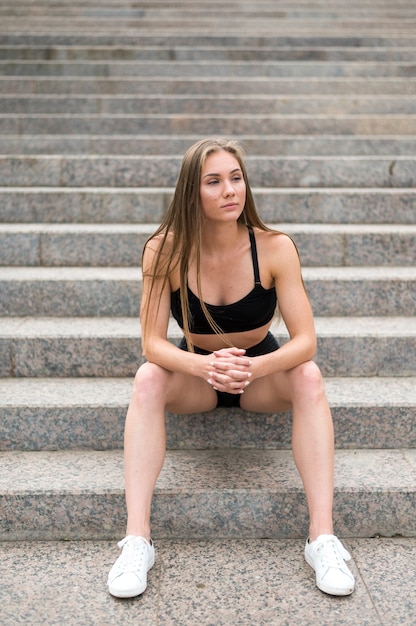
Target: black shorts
x=268, y=344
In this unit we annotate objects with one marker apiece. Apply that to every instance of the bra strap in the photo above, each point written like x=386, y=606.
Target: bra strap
x=254, y=256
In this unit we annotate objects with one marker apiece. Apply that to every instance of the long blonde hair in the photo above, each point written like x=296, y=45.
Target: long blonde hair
x=183, y=221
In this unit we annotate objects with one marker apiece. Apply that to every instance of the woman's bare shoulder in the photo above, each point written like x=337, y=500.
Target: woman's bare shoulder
x=277, y=255
x=274, y=241
x=158, y=256
x=159, y=241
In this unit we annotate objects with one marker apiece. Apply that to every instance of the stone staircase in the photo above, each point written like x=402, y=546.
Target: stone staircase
x=99, y=100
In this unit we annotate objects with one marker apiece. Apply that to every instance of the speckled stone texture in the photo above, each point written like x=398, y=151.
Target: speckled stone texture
x=182, y=69
x=59, y=413
x=215, y=583
x=81, y=205
x=118, y=205
x=73, y=245
x=76, y=291
x=79, y=494
x=285, y=144
x=302, y=86
x=122, y=244
x=85, y=346
x=182, y=53
x=130, y=171
x=115, y=291
x=225, y=105
x=361, y=291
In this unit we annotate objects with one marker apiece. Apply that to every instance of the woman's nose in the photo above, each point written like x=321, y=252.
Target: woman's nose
x=229, y=188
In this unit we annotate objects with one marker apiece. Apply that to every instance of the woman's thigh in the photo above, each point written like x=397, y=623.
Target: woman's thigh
x=268, y=394
x=278, y=392
x=179, y=393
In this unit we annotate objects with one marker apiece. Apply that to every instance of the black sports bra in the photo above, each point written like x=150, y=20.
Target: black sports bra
x=254, y=310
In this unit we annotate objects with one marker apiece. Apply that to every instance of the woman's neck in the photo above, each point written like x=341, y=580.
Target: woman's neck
x=218, y=237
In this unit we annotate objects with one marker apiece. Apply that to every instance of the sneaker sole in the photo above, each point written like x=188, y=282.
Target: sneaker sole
x=127, y=594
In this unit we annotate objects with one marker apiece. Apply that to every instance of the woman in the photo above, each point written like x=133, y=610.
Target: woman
x=212, y=247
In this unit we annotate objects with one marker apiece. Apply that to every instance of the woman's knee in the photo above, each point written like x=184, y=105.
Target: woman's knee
x=150, y=381
x=307, y=378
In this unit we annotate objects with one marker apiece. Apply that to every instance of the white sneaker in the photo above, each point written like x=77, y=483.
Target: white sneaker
x=128, y=576
x=327, y=556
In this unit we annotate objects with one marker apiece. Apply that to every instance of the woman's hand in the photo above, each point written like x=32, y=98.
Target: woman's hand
x=230, y=370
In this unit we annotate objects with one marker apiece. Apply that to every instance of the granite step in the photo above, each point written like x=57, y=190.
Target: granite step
x=232, y=104
x=195, y=11
x=396, y=38
x=70, y=291
x=146, y=205
x=303, y=5
x=111, y=346
x=218, y=21
x=77, y=494
x=207, y=124
x=330, y=69
x=211, y=86
x=181, y=20
x=161, y=52
x=161, y=171
x=238, y=582
x=106, y=245
x=89, y=413
x=102, y=291
x=148, y=145
x=106, y=291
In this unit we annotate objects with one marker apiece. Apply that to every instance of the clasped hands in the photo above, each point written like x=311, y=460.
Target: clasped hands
x=229, y=370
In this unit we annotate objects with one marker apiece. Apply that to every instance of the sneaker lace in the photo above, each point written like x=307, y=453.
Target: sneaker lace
x=132, y=555
x=333, y=553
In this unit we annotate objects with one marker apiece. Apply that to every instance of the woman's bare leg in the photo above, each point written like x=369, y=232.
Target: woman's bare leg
x=313, y=451
x=313, y=447
x=155, y=389
x=312, y=434
x=144, y=451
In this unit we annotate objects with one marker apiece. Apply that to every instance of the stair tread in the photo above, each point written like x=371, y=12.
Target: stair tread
x=254, y=493
x=270, y=172
x=59, y=392
x=139, y=205
x=249, y=470
x=220, y=571
x=47, y=414
x=134, y=273
x=205, y=85
x=149, y=228
x=291, y=145
x=37, y=327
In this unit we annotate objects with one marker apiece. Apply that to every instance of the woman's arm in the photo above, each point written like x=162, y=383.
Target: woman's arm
x=294, y=306
x=154, y=318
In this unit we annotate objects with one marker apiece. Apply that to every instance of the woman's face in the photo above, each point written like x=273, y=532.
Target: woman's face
x=222, y=189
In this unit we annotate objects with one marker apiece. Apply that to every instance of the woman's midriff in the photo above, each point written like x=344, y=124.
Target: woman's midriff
x=239, y=340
